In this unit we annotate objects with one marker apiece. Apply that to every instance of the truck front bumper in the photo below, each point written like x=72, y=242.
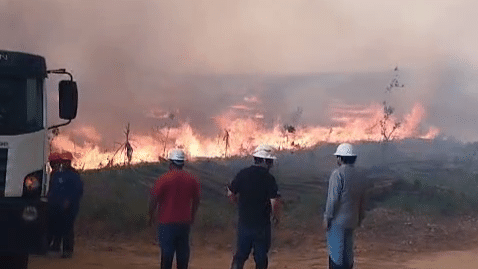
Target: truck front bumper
x=23, y=226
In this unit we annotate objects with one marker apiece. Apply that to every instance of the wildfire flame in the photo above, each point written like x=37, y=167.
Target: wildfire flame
x=242, y=134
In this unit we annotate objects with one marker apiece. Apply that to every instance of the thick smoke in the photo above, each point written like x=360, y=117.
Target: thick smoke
x=197, y=59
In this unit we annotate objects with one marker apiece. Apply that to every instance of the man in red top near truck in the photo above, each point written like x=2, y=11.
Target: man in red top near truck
x=175, y=199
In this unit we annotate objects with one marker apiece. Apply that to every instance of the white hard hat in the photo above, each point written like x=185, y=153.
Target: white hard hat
x=176, y=155
x=264, y=152
x=345, y=149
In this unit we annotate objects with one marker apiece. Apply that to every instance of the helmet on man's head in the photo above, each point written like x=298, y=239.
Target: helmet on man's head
x=66, y=156
x=54, y=157
x=345, y=149
x=264, y=152
x=177, y=155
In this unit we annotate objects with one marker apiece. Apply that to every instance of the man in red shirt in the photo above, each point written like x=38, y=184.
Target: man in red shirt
x=175, y=198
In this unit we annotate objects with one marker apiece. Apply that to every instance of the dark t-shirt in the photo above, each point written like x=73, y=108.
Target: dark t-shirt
x=255, y=186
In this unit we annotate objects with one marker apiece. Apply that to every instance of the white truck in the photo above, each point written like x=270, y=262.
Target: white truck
x=24, y=149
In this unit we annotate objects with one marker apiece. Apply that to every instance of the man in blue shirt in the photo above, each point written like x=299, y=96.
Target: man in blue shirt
x=64, y=195
x=345, y=208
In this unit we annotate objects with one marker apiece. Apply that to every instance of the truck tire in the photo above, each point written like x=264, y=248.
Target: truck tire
x=14, y=262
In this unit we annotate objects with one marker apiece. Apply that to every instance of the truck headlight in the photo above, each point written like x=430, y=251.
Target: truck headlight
x=30, y=213
x=32, y=184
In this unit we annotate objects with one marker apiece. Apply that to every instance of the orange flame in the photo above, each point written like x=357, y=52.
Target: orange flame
x=243, y=134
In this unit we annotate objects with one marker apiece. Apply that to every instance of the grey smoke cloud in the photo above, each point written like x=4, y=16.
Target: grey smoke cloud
x=199, y=58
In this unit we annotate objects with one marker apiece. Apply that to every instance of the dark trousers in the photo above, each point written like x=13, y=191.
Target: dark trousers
x=248, y=238
x=61, y=228
x=174, y=239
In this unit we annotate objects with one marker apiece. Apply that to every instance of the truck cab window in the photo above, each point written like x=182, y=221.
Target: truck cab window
x=21, y=105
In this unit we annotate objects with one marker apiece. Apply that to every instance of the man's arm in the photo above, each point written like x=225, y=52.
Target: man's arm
x=233, y=189
x=333, y=197
x=276, y=204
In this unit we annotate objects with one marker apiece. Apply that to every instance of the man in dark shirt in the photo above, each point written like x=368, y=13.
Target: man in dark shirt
x=256, y=192
x=64, y=195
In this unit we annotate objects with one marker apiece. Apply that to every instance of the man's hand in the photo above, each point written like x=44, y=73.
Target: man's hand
x=276, y=205
x=325, y=224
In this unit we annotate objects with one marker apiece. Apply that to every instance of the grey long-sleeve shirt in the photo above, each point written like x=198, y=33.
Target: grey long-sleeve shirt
x=346, y=197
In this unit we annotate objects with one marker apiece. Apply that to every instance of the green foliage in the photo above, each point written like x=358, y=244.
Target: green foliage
x=304, y=212
x=445, y=204
x=215, y=215
x=116, y=200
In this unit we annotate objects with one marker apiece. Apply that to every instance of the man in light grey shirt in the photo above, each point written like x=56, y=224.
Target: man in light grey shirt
x=345, y=207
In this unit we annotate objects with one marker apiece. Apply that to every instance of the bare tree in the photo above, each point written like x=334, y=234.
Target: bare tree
x=124, y=148
x=226, y=141
x=384, y=123
x=394, y=83
x=331, y=130
x=289, y=130
x=165, y=137
x=384, y=130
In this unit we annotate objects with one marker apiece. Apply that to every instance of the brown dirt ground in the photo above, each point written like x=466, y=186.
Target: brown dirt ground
x=389, y=239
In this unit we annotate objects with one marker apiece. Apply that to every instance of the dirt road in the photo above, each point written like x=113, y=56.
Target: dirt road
x=140, y=254
x=129, y=256
x=449, y=259
x=145, y=256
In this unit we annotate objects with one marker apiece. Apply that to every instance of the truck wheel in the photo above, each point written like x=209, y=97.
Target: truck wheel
x=14, y=262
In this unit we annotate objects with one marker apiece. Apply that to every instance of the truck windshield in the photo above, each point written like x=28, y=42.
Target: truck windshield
x=21, y=105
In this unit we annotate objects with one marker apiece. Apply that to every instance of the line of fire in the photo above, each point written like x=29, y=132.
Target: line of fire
x=239, y=135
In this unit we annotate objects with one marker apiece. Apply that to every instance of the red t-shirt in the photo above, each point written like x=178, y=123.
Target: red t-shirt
x=177, y=192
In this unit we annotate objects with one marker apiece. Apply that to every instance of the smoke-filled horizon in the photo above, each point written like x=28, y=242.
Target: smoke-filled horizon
x=287, y=61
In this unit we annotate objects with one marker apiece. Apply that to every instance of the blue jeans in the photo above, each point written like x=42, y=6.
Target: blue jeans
x=340, y=244
x=248, y=238
x=174, y=238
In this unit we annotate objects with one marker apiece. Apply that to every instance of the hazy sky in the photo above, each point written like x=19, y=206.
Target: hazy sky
x=198, y=58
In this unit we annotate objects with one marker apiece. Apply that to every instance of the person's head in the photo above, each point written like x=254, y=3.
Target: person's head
x=176, y=158
x=66, y=159
x=263, y=156
x=345, y=154
x=60, y=161
x=55, y=160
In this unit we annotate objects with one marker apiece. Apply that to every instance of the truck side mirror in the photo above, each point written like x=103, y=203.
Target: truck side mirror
x=68, y=93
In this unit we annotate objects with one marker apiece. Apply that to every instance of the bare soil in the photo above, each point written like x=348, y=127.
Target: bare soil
x=388, y=239
x=146, y=256
x=126, y=255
